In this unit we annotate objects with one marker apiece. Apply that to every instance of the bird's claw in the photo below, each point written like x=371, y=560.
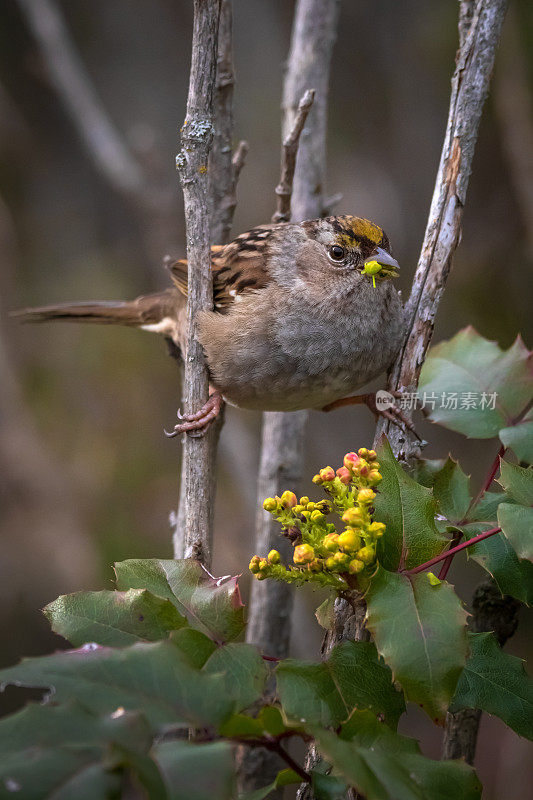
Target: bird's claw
x=196, y=425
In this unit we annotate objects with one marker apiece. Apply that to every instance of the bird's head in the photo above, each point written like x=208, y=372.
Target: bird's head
x=347, y=244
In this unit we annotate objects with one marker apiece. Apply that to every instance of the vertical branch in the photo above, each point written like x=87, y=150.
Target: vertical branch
x=282, y=447
x=191, y=162
x=470, y=84
x=224, y=172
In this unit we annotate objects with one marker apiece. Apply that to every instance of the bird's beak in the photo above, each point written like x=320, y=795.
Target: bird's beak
x=391, y=267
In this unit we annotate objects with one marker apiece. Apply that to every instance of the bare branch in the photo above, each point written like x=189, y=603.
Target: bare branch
x=470, y=85
x=191, y=162
x=288, y=159
x=312, y=40
x=105, y=145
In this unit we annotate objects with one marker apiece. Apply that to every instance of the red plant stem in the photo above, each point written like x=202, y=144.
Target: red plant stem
x=270, y=658
x=452, y=552
x=488, y=479
x=457, y=535
x=456, y=538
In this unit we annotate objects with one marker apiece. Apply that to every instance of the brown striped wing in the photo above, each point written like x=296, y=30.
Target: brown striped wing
x=238, y=267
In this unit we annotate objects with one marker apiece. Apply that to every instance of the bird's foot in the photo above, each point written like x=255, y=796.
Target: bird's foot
x=197, y=425
x=386, y=408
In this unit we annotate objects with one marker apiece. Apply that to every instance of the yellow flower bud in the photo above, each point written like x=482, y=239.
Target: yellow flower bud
x=355, y=566
x=311, y=506
x=253, y=566
x=341, y=559
x=377, y=529
x=316, y=566
x=352, y=516
x=288, y=499
x=273, y=557
x=366, y=496
x=330, y=563
x=350, y=540
x=372, y=267
x=371, y=455
x=270, y=504
x=298, y=508
x=317, y=479
x=366, y=555
x=374, y=477
x=324, y=506
x=330, y=542
x=304, y=501
x=363, y=452
x=303, y=554
x=344, y=475
x=350, y=460
x=316, y=516
x=263, y=564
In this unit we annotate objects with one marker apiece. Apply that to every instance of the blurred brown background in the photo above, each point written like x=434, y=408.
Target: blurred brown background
x=87, y=475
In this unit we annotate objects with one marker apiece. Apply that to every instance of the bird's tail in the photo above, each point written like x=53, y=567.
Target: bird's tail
x=106, y=313
x=160, y=313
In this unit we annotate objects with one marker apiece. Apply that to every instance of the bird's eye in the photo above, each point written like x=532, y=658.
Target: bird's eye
x=336, y=253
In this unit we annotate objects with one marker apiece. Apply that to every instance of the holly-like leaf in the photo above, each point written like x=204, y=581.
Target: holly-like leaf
x=486, y=509
x=196, y=771
x=519, y=438
x=154, y=678
x=517, y=482
x=492, y=387
x=326, y=693
x=497, y=683
x=327, y=787
x=408, y=510
x=517, y=524
x=451, y=487
x=325, y=613
x=213, y=606
x=380, y=775
x=497, y=556
x=364, y=728
x=420, y=630
x=113, y=618
x=58, y=751
x=245, y=672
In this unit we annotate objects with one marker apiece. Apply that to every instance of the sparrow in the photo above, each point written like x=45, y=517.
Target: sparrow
x=303, y=315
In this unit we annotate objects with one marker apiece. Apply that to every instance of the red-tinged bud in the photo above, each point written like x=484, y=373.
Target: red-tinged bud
x=355, y=566
x=273, y=557
x=350, y=460
x=303, y=554
x=288, y=499
x=352, y=516
x=317, y=480
x=344, y=475
x=330, y=542
x=364, y=470
x=363, y=452
x=270, y=504
x=372, y=455
x=263, y=564
x=316, y=566
x=327, y=474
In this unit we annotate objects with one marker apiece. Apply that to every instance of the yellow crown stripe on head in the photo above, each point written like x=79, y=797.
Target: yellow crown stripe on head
x=358, y=228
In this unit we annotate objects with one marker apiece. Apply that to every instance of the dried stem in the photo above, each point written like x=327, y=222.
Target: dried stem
x=192, y=163
x=470, y=85
x=480, y=25
x=224, y=172
x=288, y=159
x=313, y=36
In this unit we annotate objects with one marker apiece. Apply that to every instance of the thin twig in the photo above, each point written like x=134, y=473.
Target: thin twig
x=452, y=551
x=456, y=538
x=191, y=162
x=288, y=159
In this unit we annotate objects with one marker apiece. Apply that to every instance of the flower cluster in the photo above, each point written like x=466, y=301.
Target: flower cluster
x=321, y=553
